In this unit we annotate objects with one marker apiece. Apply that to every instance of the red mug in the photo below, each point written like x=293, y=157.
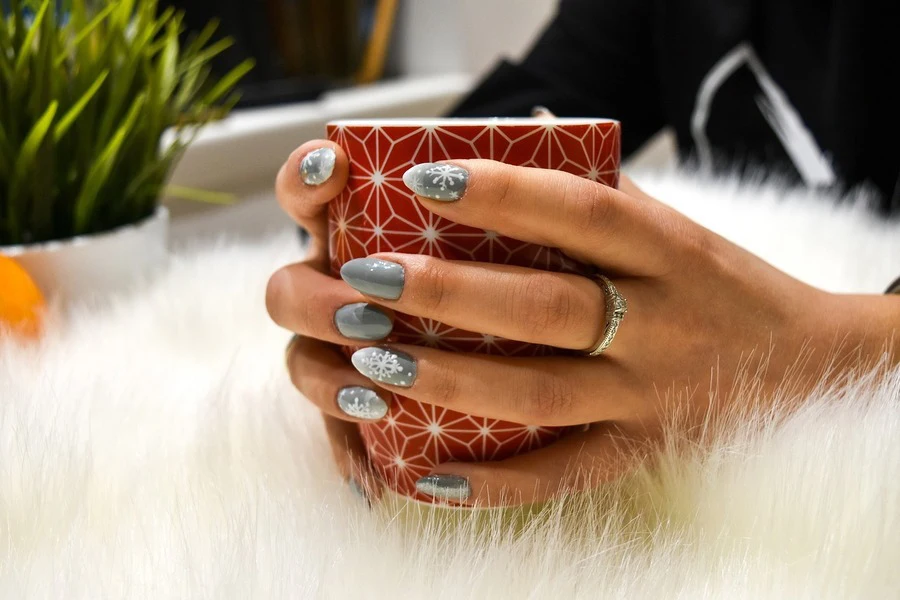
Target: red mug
x=376, y=212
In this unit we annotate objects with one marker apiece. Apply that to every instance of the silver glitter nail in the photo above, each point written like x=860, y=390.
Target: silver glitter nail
x=446, y=487
x=385, y=366
x=361, y=403
x=438, y=181
x=317, y=166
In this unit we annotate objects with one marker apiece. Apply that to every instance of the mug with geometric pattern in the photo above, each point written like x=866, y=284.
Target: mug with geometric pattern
x=376, y=212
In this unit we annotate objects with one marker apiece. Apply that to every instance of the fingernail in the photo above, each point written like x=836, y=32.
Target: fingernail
x=360, y=491
x=385, y=365
x=316, y=167
x=374, y=277
x=361, y=403
x=362, y=321
x=448, y=487
x=542, y=112
x=291, y=341
x=437, y=181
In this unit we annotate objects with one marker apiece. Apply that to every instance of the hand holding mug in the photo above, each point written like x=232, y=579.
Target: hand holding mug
x=699, y=310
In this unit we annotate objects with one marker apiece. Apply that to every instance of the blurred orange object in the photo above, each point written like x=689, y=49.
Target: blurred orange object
x=22, y=305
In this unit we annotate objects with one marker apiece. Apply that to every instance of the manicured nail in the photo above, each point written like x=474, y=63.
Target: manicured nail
x=359, y=490
x=291, y=341
x=541, y=112
x=385, y=365
x=437, y=181
x=362, y=321
x=361, y=403
x=316, y=167
x=374, y=277
x=447, y=487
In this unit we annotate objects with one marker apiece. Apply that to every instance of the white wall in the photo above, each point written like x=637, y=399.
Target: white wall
x=468, y=36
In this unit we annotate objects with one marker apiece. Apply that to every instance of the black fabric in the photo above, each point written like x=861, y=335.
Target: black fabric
x=643, y=62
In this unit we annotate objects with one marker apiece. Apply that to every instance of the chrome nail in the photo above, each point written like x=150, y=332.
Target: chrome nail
x=362, y=321
x=374, y=277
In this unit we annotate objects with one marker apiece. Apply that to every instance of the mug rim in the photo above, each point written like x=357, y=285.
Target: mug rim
x=468, y=122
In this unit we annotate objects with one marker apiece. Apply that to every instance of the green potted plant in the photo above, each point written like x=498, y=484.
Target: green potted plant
x=98, y=100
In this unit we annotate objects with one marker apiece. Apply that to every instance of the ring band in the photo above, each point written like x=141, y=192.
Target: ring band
x=616, y=307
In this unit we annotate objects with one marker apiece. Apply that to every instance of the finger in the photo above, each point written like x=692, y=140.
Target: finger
x=577, y=462
x=541, y=390
x=351, y=459
x=631, y=188
x=529, y=305
x=305, y=301
x=306, y=182
x=347, y=447
x=597, y=223
x=321, y=373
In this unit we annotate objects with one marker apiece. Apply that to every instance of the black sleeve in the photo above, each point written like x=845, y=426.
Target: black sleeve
x=595, y=59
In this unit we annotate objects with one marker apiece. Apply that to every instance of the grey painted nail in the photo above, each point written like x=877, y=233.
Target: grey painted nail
x=374, y=277
x=448, y=487
x=317, y=166
x=386, y=366
x=437, y=181
x=360, y=491
x=361, y=403
x=361, y=321
x=291, y=341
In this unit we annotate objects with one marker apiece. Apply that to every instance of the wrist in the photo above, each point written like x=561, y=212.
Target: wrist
x=869, y=322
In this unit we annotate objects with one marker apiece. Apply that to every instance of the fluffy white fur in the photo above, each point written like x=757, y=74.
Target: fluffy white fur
x=155, y=449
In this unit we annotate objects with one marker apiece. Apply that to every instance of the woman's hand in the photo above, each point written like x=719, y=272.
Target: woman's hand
x=303, y=298
x=701, y=312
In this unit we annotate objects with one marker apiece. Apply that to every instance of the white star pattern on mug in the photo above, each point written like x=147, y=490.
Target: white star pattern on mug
x=378, y=213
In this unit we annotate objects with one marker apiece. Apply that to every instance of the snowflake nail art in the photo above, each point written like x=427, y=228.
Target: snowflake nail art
x=317, y=166
x=361, y=403
x=386, y=366
x=437, y=181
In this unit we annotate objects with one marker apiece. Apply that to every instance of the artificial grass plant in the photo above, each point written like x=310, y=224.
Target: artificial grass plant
x=86, y=91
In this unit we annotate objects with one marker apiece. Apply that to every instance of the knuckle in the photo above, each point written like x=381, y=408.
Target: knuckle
x=502, y=189
x=598, y=208
x=542, y=305
x=295, y=368
x=296, y=363
x=301, y=309
x=551, y=399
x=587, y=206
x=277, y=292
x=446, y=388
x=697, y=241
x=432, y=288
x=308, y=370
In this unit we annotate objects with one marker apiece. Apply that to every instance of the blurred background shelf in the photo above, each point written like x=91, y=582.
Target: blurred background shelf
x=437, y=51
x=243, y=153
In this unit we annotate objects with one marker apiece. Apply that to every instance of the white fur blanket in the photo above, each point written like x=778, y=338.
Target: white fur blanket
x=156, y=449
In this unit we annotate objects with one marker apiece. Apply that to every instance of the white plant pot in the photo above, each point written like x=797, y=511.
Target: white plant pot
x=89, y=267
